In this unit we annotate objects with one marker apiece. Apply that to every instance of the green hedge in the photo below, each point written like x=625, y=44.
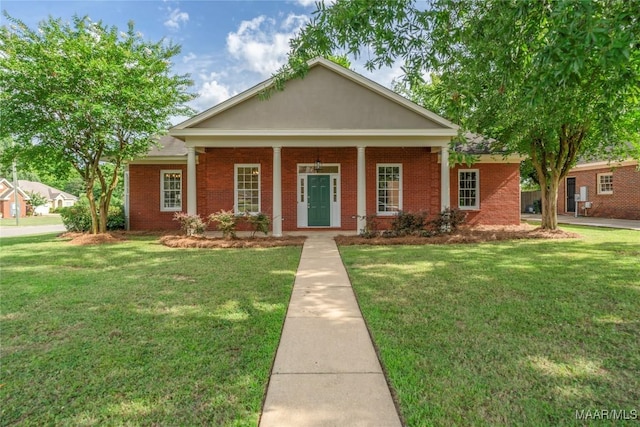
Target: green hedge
x=78, y=217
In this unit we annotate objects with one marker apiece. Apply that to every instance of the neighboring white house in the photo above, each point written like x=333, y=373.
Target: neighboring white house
x=55, y=198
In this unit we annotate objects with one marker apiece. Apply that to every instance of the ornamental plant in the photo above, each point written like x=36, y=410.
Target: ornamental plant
x=226, y=221
x=191, y=225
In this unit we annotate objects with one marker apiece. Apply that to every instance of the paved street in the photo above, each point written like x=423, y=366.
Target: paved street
x=29, y=230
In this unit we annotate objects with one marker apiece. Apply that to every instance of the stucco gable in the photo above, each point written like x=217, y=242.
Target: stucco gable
x=329, y=97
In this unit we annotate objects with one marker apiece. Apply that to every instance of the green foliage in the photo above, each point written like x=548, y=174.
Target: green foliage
x=36, y=199
x=86, y=93
x=408, y=223
x=552, y=80
x=191, y=225
x=226, y=221
x=259, y=223
x=77, y=218
x=447, y=221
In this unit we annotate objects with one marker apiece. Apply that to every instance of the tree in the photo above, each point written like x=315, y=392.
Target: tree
x=86, y=95
x=554, y=80
x=36, y=200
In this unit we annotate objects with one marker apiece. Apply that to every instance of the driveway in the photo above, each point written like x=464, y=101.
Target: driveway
x=629, y=224
x=30, y=230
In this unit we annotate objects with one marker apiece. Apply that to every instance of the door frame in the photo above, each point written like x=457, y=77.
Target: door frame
x=302, y=186
x=566, y=193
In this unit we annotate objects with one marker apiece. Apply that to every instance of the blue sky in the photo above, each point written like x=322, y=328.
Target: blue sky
x=227, y=45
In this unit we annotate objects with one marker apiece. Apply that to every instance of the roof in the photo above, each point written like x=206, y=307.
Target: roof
x=6, y=190
x=47, y=191
x=478, y=144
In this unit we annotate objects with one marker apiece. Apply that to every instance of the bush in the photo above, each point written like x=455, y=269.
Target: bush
x=370, y=229
x=191, y=225
x=258, y=222
x=407, y=223
x=226, y=221
x=78, y=217
x=447, y=221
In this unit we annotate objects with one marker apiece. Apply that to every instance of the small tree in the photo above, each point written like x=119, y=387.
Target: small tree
x=36, y=200
x=86, y=95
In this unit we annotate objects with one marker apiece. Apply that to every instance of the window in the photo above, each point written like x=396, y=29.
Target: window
x=389, y=184
x=605, y=183
x=171, y=190
x=247, y=191
x=468, y=189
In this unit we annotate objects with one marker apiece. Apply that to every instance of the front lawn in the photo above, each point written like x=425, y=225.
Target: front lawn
x=509, y=333
x=136, y=333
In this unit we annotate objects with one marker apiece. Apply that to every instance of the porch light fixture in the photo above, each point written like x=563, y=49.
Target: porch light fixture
x=318, y=165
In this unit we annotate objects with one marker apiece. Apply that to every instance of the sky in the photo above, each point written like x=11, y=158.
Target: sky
x=228, y=46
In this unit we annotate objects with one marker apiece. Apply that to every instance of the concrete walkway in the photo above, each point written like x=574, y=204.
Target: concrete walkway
x=326, y=371
x=629, y=224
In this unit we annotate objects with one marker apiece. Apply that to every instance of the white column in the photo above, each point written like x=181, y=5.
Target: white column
x=361, y=207
x=192, y=205
x=277, y=192
x=444, y=179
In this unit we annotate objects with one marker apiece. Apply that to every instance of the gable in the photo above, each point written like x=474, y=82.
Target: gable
x=324, y=99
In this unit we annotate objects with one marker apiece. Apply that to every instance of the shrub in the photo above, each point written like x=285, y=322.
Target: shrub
x=407, y=223
x=78, y=217
x=191, y=225
x=370, y=229
x=258, y=222
x=226, y=221
x=447, y=221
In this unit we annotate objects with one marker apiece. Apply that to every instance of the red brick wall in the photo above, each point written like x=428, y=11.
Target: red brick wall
x=5, y=206
x=144, y=199
x=624, y=203
x=499, y=184
x=499, y=193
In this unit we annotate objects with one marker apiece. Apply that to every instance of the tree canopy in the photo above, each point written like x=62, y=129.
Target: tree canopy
x=556, y=81
x=85, y=94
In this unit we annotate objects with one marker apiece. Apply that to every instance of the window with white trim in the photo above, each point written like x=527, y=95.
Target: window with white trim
x=171, y=190
x=247, y=189
x=389, y=185
x=468, y=189
x=605, y=183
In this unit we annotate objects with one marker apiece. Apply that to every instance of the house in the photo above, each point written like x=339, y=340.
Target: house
x=612, y=190
x=7, y=200
x=324, y=153
x=55, y=198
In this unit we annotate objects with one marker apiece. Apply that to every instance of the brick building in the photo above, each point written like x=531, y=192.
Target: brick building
x=324, y=153
x=612, y=190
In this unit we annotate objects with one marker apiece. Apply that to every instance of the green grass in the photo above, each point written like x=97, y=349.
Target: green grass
x=52, y=219
x=137, y=333
x=510, y=333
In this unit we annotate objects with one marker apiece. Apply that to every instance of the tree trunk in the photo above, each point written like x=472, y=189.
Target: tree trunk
x=92, y=210
x=550, y=205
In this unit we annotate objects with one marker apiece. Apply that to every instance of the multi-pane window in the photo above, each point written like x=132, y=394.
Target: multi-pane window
x=171, y=190
x=247, y=191
x=389, y=184
x=468, y=189
x=605, y=183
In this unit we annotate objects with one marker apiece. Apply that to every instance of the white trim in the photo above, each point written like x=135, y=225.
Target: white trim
x=165, y=160
x=192, y=186
x=302, y=205
x=605, y=165
x=388, y=165
x=235, y=186
x=270, y=140
x=178, y=133
x=338, y=69
x=598, y=183
x=277, y=219
x=163, y=172
x=475, y=207
x=492, y=158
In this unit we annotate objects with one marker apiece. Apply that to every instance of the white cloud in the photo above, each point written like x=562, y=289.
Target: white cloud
x=176, y=17
x=189, y=57
x=211, y=91
x=261, y=45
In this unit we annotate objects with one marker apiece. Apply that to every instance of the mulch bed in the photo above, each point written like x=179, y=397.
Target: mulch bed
x=475, y=234
x=84, y=239
x=174, y=241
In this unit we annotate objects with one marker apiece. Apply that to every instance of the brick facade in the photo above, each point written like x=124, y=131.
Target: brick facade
x=499, y=184
x=623, y=203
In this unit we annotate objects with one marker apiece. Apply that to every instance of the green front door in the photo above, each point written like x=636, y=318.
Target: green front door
x=319, y=208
